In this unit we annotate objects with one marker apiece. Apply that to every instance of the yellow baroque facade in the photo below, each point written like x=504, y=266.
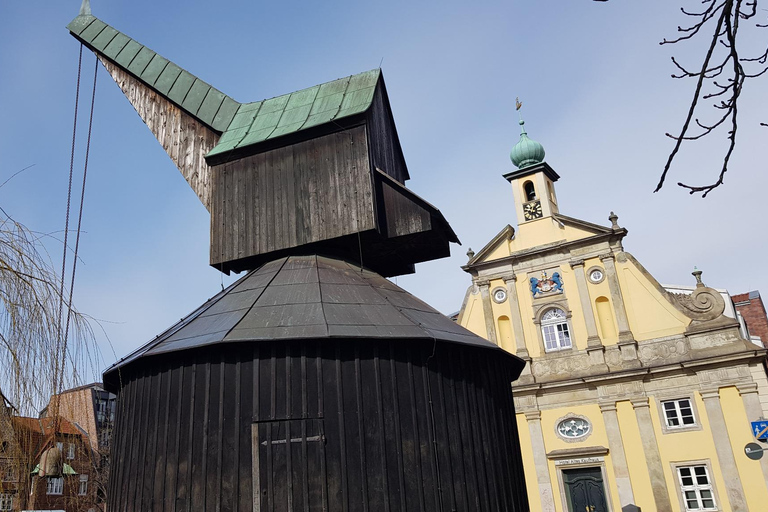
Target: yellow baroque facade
x=634, y=396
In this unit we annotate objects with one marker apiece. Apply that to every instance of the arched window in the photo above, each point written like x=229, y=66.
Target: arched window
x=554, y=329
x=530, y=191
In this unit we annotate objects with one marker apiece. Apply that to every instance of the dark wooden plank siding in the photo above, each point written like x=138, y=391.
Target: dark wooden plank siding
x=340, y=426
x=314, y=190
x=386, y=152
x=404, y=216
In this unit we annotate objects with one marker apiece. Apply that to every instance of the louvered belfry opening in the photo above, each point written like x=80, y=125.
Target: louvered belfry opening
x=312, y=383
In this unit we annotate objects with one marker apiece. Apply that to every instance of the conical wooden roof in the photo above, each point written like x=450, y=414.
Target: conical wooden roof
x=308, y=297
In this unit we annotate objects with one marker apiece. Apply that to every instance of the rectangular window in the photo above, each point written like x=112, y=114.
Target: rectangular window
x=55, y=485
x=556, y=337
x=71, y=451
x=550, y=340
x=6, y=501
x=60, y=446
x=696, y=488
x=83, y=489
x=678, y=413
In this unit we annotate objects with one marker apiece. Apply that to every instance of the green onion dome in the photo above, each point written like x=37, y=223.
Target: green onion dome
x=527, y=151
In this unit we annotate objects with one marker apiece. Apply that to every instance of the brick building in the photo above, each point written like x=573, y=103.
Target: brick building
x=45, y=465
x=752, y=309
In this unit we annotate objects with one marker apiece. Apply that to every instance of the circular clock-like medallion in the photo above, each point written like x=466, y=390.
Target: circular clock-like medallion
x=596, y=275
x=532, y=210
x=499, y=295
x=574, y=427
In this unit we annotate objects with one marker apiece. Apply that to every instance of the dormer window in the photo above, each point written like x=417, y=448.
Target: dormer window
x=530, y=191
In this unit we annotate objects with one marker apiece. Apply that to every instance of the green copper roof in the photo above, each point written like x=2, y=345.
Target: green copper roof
x=526, y=152
x=212, y=107
x=241, y=124
x=272, y=118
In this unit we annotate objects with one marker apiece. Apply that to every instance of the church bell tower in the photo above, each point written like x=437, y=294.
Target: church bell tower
x=533, y=183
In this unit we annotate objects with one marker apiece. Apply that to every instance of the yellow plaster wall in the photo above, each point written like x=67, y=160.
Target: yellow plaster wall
x=544, y=231
x=685, y=446
x=633, y=450
x=526, y=312
x=579, y=335
x=473, y=318
x=531, y=482
x=598, y=437
x=740, y=434
x=649, y=313
x=600, y=290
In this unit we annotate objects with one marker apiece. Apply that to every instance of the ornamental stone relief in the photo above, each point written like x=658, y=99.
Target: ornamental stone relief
x=620, y=390
x=575, y=364
x=663, y=350
x=725, y=375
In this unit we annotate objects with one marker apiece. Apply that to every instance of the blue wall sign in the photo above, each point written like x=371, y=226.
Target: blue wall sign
x=760, y=429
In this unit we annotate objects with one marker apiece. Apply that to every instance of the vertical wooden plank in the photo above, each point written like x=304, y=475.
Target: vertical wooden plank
x=299, y=187
x=160, y=461
x=255, y=465
x=142, y=437
x=451, y=434
x=171, y=476
x=361, y=429
x=190, y=439
x=461, y=407
x=382, y=436
x=304, y=455
x=264, y=205
x=255, y=406
x=418, y=443
x=324, y=489
x=213, y=437
x=342, y=431
x=431, y=449
x=221, y=434
x=128, y=413
x=396, y=443
x=288, y=435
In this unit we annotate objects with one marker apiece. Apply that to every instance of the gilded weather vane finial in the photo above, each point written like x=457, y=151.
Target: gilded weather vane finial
x=517, y=103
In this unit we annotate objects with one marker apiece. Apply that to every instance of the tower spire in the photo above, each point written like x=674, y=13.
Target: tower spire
x=527, y=151
x=85, y=8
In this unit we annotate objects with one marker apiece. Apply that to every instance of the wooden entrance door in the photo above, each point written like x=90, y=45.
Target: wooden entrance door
x=289, y=466
x=584, y=490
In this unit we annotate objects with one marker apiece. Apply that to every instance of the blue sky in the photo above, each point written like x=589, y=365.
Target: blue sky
x=593, y=79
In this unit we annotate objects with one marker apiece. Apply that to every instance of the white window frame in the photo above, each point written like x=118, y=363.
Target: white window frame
x=678, y=413
x=558, y=328
x=60, y=446
x=54, y=485
x=674, y=395
x=696, y=487
x=82, y=489
x=6, y=501
x=71, y=451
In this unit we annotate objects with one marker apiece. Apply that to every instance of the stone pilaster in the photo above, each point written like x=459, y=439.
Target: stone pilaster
x=627, y=343
x=540, y=461
x=515, y=316
x=652, y=455
x=754, y=410
x=485, y=297
x=595, y=347
x=618, y=456
x=725, y=455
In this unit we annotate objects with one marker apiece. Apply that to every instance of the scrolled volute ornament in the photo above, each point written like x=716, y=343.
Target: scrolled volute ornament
x=703, y=304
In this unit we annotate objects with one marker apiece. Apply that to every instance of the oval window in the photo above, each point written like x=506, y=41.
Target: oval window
x=573, y=428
